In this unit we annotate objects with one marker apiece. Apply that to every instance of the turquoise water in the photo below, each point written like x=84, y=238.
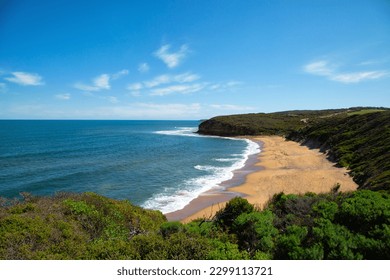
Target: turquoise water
x=156, y=164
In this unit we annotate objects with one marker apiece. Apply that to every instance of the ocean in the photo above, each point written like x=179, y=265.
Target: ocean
x=160, y=165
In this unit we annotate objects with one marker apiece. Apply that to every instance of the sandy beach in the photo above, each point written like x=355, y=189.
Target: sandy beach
x=285, y=166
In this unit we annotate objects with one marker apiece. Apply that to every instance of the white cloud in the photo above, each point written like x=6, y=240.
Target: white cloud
x=181, y=89
x=172, y=59
x=167, y=79
x=326, y=69
x=25, y=79
x=321, y=68
x=159, y=80
x=186, y=78
x=98, y=83
x=359, y=76
x=184, y=83
x=143, y=67
x=120, y=74
x=102, y=81
x=65, y=96
x=135, y=86
x=224, y=86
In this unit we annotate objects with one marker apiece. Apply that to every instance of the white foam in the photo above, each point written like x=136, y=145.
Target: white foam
x=175, y=199
x=180, y=131
x=225, y=159
x=208, y=168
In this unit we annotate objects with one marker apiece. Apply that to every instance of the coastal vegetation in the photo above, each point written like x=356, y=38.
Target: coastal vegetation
x=89, y=226
x=359, y=142
x=334, y=225
x=356, y=138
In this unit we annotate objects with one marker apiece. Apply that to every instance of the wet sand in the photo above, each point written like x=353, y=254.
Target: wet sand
x=282, y=166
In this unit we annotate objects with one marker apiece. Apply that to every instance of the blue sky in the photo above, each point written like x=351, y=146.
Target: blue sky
x=190, y=59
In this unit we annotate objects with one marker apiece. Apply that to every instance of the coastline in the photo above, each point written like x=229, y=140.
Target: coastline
x=219, y=196
x=281, y=166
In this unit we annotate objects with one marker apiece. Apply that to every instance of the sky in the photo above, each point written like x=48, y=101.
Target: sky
x=190, y=59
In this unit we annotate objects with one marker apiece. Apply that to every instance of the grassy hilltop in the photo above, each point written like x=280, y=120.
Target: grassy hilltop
x=335, y=225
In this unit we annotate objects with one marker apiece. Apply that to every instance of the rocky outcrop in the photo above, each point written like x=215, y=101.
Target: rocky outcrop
x=219, y=128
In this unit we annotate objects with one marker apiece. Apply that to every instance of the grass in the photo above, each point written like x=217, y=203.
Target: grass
x=365, y=111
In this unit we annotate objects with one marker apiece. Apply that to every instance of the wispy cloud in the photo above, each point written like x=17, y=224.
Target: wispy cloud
x=320, y=68
x=224, y=86
x=135, y=86
x=181, y=89
x=25, y=79
x=99, y=83
x=102, y=81
x=184, y=83
x=180, y=83
x=65, y=96
x=326, y=69
x=167, y=79
x=359, y=76
x=375, y=61
x=143, y=67
x=159, y=80
x=172, y=59
x=120, y=74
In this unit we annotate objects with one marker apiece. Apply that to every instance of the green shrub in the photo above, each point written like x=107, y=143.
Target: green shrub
x=289, y=244
x=255, y=231
x=234, y=208
x=365, y=210
x=225, y=251
x=168, y=228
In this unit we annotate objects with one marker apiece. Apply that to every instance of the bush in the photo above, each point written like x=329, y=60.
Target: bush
x=364, y=210
x=255, y=231
x=234, y=208
x=168, y=228
x=225, y=251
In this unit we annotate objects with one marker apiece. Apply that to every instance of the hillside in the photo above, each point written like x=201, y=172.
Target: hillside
x=89, y=226
x=279, y=123
x=357, y=138
x=360, y=142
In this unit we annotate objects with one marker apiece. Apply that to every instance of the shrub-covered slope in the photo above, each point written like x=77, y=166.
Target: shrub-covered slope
x=280, y=123
x=357, y=138
x=89, y=226
x=360, y=142
x=70, y=226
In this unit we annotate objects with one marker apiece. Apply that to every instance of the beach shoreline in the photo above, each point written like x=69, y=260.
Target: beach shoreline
x=281, y=166
x=220, y=194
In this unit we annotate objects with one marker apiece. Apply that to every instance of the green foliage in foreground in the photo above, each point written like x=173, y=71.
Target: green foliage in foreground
x=88, y=226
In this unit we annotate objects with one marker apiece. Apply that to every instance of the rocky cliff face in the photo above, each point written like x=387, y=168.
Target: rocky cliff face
x=220, y=128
